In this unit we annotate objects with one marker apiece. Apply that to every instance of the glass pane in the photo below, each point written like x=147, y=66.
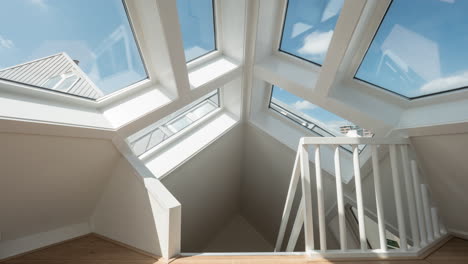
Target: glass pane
x=308, y=28
x=50, y=83
x=49, y=38
x=197, y=26
x=140, y=145
x=305, y=113
x=419, y=49
x=180, y=124
x=151, y=136
x=66, y=84
x=157, y=137
x=202, y=110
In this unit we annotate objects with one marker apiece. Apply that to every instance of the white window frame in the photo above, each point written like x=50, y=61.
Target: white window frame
x=169, y=77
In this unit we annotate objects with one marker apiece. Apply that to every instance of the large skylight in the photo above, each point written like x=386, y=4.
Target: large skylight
x=197, y=26
x=308, y=28
x=155, y=134
x=79, y=47
x=312, y=117
x=419, y=49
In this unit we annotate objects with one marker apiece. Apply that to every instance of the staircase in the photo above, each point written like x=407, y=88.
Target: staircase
x=411, y=201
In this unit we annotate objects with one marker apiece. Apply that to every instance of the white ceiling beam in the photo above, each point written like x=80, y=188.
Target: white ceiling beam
x=250, y=38
x=169, y=19
x=345, y=27
x=157, y=31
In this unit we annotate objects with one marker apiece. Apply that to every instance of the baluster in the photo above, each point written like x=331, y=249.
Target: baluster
x=296, y=230
x=419, y=206
x=289, y=200
x=378, y=198
x=427, y=212
x=410, y=195
x=398, y=202
x=339, y=199
x=360, y=206
x=320, y=200
x=307, y=196
x=435, y=222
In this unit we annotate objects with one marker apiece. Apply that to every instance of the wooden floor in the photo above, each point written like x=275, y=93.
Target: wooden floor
x=92, y=249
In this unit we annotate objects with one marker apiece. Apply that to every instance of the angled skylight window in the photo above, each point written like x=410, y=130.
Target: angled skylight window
x=308, y=28
x=312, y=117
x=171, y=125
x=419, y=49
x=49, y=39
x=196, y=20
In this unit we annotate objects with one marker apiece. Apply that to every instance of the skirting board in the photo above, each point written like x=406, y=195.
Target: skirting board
x=10, y=248
x=459, y=233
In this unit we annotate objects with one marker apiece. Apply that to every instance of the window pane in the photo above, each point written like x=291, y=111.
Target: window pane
x=180, y=124
x=197, y=26
x=65, y=85
x=419, y=49
x=317, y=119
x=50, y=83
x=202, y=110
x=153, y=135
x=308, y=28
x=49, y=38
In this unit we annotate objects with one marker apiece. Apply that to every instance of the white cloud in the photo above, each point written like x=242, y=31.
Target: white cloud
x=299, y=28
x=316, y=43
x=303, y=105
x=6, y=43
x=332, y=9
x=448, y=1
x=447, y=83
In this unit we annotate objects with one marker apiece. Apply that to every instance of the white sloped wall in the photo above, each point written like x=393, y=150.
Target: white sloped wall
x=49, y=187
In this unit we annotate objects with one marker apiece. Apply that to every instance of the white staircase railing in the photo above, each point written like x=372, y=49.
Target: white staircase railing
x=424, y=222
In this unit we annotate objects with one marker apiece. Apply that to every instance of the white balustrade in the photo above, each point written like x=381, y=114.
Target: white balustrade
x=414, y=203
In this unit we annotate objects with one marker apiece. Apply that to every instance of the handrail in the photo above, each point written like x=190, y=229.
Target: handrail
x=352, y=141
x=424, y=223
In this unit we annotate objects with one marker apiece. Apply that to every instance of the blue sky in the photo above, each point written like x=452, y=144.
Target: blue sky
x=97, y=33
x=310, y=112
x=309, y=27
x=420, y=48
x=196, y=22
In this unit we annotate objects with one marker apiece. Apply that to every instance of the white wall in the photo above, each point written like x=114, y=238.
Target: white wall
x=267, y=168
x=207, y=186
x=126, y=212
x=445, y=163
x=239, y=236
x=48, y=183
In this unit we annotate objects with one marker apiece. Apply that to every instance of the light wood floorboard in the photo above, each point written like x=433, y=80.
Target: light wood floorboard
x=92, y=249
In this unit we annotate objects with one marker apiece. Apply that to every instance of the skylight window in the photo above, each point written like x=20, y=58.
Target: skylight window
x=197, y=25
x=93, y=39
x=419, y=49
x=312, y=117
x=308, y=28
x=173, y=124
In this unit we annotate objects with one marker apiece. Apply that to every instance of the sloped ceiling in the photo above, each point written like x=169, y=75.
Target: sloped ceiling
x=48, y=182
